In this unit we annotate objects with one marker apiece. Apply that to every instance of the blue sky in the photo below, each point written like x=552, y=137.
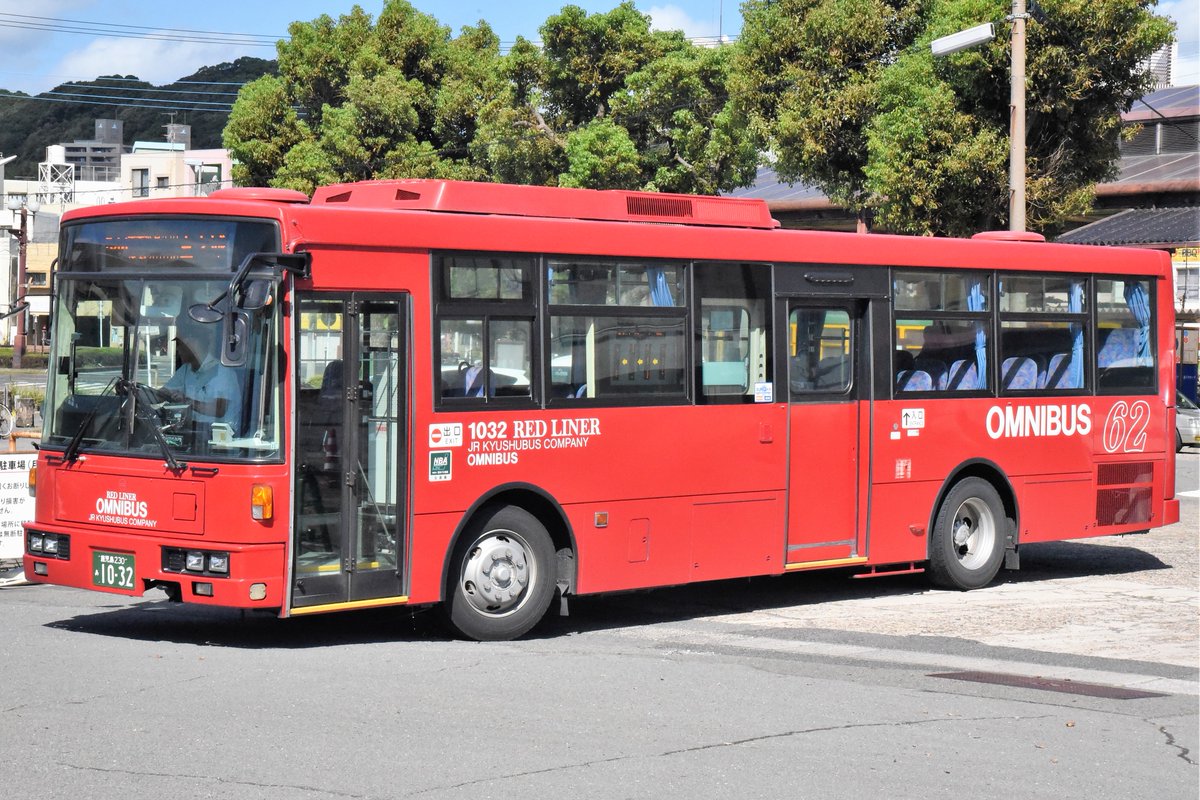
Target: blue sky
x=36, y=59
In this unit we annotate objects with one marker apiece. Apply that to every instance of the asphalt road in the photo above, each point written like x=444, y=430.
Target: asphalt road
x=806, y=685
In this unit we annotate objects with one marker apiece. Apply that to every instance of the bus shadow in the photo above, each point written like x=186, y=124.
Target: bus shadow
x=151, y=620
x=164, y=621
x=1051, y=560
x=1039, y=562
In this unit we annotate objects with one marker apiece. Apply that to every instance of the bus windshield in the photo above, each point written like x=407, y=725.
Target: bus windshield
x=132, y=372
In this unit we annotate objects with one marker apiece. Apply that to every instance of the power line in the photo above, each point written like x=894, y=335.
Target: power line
x=1174, y=123
x=89, y=28
x=132, y=190
x=146, y=89
x=137, y=27
x=1040, y=15
x=129, y=104
x=134, y=99
x=173, y=83
x=147, y=36
x=117, y=78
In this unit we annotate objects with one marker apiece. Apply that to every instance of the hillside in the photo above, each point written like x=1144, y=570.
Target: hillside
x=28, y=126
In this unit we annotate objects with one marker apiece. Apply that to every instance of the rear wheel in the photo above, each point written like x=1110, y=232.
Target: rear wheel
x=502, y=576
x=6, y=421
x=967, y=547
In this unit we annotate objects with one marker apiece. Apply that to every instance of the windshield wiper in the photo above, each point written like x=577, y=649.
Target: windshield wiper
x=137, y=390
x=71, y=453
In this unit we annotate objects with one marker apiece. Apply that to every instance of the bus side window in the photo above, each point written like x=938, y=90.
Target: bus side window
x=617, y=330
x=733, y=349
x=485, y=340
x=1043, y=327
x=1125, y=314
x=819, y=351
x=942, y=322
x=724, y=332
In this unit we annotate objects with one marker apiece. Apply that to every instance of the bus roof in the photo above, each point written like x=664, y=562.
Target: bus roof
x=514, y=218
x=465, y=197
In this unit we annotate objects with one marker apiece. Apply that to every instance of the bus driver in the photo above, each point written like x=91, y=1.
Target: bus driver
x=201, y=381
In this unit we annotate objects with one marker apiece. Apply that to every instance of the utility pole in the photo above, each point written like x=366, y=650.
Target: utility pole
x=980, y=34
x=21, y=234
x=1016, y=103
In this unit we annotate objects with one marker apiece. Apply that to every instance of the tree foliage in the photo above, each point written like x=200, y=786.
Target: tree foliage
x=851, y=99
x=361, y=98
x=605, y=102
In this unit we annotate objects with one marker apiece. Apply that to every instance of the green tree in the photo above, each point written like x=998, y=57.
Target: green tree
x=850, y=99
x=605, y=102
x=609, y=103
x=361, y=98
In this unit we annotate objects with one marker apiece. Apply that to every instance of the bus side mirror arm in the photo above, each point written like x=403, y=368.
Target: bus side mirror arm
x=298, y=264
x=235, y=322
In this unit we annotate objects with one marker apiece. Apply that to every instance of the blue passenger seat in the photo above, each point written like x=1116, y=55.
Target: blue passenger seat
x=1018, y=373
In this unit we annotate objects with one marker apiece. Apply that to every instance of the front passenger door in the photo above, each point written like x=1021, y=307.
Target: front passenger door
x=351, y=453
x=825, y=432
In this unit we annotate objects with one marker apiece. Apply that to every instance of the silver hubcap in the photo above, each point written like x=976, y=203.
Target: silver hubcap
x=497, y=573
x=974, y=533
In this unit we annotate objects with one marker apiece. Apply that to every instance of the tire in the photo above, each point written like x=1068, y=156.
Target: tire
x=967, y=546
x=1178, y=441
x=502, y=576
x=6, y=421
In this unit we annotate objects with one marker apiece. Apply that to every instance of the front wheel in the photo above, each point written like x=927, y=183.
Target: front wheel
x=967, y=545
x=6, y=421
x=502, y=576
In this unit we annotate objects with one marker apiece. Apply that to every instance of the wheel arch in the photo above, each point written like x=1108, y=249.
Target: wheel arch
x=533, y=499
x=993, y=474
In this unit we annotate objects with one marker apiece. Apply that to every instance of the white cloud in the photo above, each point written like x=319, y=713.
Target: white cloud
x=22, y=33
x=157, y=62
x=29, y=48
x=674, y=18
x=1185, y=68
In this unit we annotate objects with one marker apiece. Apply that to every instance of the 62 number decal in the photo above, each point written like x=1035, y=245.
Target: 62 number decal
x=1125, y=428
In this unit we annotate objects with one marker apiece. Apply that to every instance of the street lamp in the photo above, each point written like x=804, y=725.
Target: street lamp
x=1016, y=101
x=26, y=208
x=971, y=37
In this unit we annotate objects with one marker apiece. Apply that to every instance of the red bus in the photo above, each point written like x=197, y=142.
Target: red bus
x=487, y=396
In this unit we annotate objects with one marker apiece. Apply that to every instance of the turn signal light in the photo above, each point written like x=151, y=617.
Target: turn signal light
x=262, y=503
x=33, y=481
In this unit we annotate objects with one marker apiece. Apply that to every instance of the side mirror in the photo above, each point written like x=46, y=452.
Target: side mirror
x=256, y=295
x=205, y=314
x=235, y=330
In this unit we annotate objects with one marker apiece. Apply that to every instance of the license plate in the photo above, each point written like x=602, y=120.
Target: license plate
x=112, y=570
